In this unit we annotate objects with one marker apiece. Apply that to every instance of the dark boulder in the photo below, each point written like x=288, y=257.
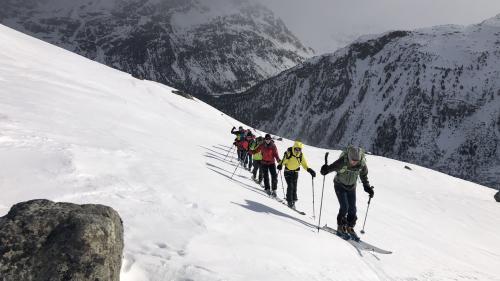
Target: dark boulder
x=497, y=196
x=43, y=240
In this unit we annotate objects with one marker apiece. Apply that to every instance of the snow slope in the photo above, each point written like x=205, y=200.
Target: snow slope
x=74, y=130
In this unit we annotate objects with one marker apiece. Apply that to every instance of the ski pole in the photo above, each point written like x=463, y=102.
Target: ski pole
x=235, y=169
x=322, y=191
x=314, y=214
x=282, y=186
x=366, y=215
x=245, y=159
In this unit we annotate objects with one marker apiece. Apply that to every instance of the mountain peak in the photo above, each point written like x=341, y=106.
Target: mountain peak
x=494, y=21
x=201, y=47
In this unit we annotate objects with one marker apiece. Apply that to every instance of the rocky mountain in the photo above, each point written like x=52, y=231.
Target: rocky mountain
x=219, y=47
x=429, y=96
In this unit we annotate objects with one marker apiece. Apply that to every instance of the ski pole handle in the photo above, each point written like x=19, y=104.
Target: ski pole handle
x=326, y=158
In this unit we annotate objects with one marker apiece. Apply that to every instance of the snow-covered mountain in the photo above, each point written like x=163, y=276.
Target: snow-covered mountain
x=429, y=96
x=202, y=47
x=75, y=130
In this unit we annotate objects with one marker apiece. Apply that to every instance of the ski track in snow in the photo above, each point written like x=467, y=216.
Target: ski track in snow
x=73, y=130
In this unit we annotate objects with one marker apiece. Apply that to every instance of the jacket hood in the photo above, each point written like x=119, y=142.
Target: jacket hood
x=297, y=144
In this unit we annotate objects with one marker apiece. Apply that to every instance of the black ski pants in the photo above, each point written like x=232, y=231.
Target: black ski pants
x=291, y=178
x=347, y=201
x=257, y=168
x=270, y=169
x=241, y=155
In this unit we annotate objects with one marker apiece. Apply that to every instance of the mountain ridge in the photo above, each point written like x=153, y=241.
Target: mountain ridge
x=204, y=49
x=428, y=96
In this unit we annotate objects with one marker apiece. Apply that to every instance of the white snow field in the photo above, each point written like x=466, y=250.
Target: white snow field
x=78, y=131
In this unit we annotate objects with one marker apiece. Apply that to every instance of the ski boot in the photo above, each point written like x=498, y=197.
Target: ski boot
x=273, y=194
x=352, y=234
x=268, y=191
x=342, y=233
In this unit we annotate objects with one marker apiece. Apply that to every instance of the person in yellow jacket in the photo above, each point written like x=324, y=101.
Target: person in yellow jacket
x=292, y=160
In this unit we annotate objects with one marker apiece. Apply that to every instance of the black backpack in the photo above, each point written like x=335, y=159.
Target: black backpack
x=289, y=154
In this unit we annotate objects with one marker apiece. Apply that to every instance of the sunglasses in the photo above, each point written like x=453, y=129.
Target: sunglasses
x=297, y=149
x=267, y=139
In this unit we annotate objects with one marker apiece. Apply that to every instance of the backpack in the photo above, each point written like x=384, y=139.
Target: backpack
x=289, y=154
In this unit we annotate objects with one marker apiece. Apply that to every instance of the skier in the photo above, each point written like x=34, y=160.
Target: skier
x=350, y=165
x=248, y=156
x=239, y=133
x=240, y=136
x=257, y=158
x=268, y=164
x=293, y=158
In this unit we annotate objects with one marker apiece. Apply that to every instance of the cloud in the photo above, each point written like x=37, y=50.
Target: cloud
x=327, y=25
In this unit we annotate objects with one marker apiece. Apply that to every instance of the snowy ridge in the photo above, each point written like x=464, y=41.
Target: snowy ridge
x=204, y=48
x=429, y=96
x=74, y=130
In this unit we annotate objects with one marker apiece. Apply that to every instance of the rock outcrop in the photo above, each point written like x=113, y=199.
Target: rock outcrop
x=43, y=240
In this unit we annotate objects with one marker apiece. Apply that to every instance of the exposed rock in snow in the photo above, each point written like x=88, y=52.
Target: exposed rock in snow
x=43, y=240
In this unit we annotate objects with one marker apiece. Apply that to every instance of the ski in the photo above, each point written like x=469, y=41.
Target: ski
x=284, y=202
x=359, y=244
x=300, y=212
x=344, y=236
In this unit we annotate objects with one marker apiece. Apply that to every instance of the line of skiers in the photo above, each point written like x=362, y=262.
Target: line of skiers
x=262, y=154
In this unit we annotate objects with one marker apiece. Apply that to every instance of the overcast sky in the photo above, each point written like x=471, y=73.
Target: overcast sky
x=326, y=25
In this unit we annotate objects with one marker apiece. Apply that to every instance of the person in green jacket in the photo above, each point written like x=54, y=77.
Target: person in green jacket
x=350, y=165
x=257, y=158
x=292, y=160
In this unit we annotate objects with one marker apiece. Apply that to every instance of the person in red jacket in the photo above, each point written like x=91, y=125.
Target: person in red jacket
x=268, y=164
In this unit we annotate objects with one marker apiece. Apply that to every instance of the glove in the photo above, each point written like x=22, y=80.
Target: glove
x=324, y=170
x=280, y=167
x=312, y=172
x=369, y=190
